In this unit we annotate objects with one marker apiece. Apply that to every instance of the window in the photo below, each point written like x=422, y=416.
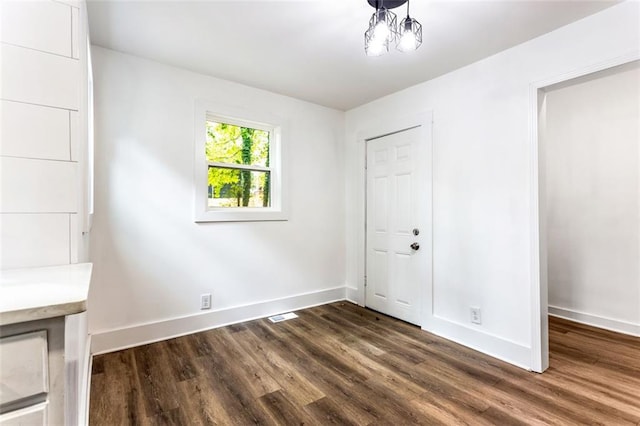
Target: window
x=238, y=165
x=238, y=173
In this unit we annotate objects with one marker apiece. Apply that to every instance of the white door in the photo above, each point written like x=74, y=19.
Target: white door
x=398, y=196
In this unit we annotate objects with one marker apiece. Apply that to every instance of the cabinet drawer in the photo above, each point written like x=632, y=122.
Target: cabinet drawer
x=25, y=371
x=30, y=416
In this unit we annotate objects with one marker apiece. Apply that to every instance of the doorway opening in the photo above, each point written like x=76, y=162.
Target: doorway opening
x=586, y=242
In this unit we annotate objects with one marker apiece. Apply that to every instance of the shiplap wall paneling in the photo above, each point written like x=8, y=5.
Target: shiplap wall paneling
x=33, y=131
x=74, y=237
x=39, y=78
x=74, y=136
x=32, y=240
x=38, y=186
x=40, y=132
x=39, y=25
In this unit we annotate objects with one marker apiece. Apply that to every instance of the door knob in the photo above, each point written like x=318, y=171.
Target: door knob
x=415, y=246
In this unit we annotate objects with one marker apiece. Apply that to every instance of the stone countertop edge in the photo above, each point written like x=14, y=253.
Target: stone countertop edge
x=39, y=293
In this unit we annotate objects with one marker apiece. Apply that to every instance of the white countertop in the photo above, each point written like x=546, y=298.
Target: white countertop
x=37, y=293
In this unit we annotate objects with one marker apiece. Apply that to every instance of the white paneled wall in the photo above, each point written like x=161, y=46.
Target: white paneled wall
x=39, y=147
x=38, y=186
x=39, y=25
x=29, y=240
x=20, y=138
x=39, y=78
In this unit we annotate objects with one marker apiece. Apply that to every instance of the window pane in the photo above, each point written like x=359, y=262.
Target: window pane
x=238, y=188
x=227, y=143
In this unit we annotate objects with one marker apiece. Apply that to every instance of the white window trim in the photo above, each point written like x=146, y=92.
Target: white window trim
x=207, y=110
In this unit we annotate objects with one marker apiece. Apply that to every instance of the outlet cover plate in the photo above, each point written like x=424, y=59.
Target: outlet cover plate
x=476, y=316
x=205, y=301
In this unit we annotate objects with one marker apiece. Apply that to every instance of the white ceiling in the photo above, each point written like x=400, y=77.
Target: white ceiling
x=313, y=49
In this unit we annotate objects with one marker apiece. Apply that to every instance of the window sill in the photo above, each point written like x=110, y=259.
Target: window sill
x=241, y=215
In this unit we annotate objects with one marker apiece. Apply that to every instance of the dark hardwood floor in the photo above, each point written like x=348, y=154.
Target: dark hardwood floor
x=342, y=364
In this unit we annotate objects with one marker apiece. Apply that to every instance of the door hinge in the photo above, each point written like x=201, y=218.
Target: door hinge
x=365, y=280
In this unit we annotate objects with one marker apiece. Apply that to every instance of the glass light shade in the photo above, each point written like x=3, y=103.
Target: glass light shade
x=374, y=46
x=409, y=35
x=382, y=25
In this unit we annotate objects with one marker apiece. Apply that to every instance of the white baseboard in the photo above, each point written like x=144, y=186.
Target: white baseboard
x=596, y=321
x=141, y=334
x=497, y=347
x=352, y=295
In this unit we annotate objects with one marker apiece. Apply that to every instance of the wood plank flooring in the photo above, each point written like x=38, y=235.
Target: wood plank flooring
x=342, y=364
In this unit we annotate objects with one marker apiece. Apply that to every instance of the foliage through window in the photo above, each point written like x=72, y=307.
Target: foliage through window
x=238, y=159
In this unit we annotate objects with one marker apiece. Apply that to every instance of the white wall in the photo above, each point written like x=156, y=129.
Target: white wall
x=591, y=149
x=481, y=175
x=151, y=261
x=39, y=137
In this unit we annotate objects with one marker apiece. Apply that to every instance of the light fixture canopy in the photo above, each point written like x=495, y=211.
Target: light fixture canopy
x=387, y=4
x=383, y=29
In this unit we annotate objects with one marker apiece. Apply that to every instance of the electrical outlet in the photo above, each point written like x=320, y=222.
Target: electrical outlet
x=205, y=301
x=475, y=316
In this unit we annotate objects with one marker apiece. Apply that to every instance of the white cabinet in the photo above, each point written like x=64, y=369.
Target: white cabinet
x=32, y=373
x=25, y=368
x=30, y=416
x=38, y=322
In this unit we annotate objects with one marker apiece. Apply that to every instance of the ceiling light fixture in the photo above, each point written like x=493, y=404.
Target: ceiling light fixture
x=383, y=30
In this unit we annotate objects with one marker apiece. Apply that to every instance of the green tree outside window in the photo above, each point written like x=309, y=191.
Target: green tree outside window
x=228, y=145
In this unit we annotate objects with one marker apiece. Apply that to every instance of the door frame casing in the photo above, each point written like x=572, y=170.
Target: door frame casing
x=537, y=226
x=387, y=126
